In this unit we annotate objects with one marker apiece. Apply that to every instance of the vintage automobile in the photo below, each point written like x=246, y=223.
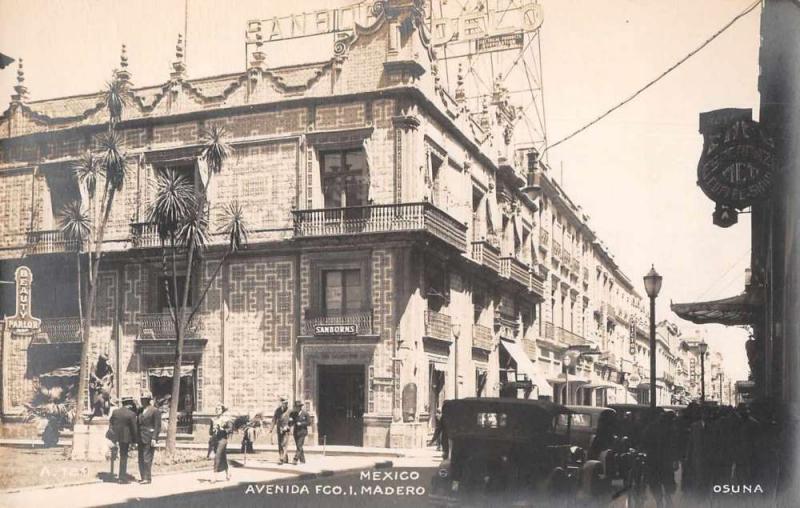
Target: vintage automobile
x=582, y=421
x=506, y=451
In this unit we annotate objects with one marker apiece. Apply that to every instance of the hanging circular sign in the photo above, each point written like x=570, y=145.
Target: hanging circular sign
x=736, y=167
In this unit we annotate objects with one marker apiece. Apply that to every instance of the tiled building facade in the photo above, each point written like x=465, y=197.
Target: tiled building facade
x=402, y=250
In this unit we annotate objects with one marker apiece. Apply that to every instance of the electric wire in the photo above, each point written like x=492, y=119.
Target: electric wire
x=659, y=77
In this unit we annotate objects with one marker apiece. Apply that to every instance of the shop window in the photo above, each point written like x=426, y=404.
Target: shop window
x=166, y=292
x=344, y=178
x=342, y=292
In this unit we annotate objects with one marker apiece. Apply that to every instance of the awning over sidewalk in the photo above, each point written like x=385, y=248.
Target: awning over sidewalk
x=562, y=378
x=72, y=371
x=186, y=371
x=743, y=309
x=524, y=364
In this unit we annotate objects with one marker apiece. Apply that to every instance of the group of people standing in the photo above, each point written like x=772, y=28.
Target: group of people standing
x=140, y=426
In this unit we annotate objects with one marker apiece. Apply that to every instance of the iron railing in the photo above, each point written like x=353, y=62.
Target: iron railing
x=438, y=326
x=549, y=330
x=144, y=235
x=381, y=219
x=486, y=254
x=361, y=319
x=59, y=330
x=50, y=241
x=161, y=327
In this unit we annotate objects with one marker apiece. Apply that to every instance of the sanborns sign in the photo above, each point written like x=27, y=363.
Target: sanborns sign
x=318, y=22
x=335, y=329
x=736, y=167
x=23, y=323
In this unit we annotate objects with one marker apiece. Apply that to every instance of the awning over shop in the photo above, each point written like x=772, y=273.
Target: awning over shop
x=602, y=384
x=186, y=371
x=73, y=371
x=524, y=364
x=743, y=309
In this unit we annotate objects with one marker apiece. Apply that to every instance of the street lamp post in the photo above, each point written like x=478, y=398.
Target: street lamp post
x=652, y=285
x=703, y=347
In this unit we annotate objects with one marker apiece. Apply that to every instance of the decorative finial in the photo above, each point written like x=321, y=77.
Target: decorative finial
x=123, y=58
x=20, y=89
x=179, y=65
x=20, y=73
x=460, y=96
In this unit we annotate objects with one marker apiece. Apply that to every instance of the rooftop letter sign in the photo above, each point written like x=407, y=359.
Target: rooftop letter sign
x=23, y=323
x=736, y=167
x=319, y=22
x=494, y=19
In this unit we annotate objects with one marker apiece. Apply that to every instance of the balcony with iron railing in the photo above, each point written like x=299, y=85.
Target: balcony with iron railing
x=515, y=270
x=160, y=326
x=486, y=254
x=438, y=326
x=144, y=235
x=575, y=266
x=50, y=242
x=482, y=337
x=61, y=330
x=566, y=258
x=361, y=320
x=358, y=220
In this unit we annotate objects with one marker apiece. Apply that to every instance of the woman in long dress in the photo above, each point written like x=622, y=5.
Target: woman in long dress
x=222, y=428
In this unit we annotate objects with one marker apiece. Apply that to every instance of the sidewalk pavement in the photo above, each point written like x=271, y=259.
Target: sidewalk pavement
x=257, y=470
x=234, y=446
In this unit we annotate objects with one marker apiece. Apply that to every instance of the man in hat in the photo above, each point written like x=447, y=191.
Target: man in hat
x=125, y=431
x=301, y=420
x=281, y=424
x=149, y=429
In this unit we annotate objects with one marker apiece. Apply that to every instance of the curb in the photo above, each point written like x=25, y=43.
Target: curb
x=323, y=473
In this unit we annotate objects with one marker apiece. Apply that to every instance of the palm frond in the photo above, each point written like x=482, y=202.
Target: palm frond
x=175, y=202
x=193, y=232
x=235, y=226
x=215, y=148
x=113, y=159
x=75, y=223
x=87, y=172
x=115, y=97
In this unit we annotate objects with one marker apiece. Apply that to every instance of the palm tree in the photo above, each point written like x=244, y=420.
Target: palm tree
x=76, y=225
x=110, y=166
x=182, y=224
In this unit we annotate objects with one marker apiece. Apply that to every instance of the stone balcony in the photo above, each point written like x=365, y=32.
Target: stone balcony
x=486, y=254
x=49, y=242
x=482, y=337
x=361, y=220
x=515, y=270
x=568, y=338
x=438, y=326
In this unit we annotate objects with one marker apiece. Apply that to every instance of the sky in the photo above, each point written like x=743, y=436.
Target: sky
x=634, y=172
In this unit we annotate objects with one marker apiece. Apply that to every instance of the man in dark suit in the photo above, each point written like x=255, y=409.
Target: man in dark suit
x=149, y=429
x=300, y=420
x=125, y=430
x=281, y=425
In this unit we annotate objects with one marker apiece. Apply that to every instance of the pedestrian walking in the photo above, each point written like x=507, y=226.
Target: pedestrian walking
x=247, y=439
x=222, y=428
x=282, y=427
x=300, y=421
x=125, y=430
x=149, y=430
x=212, y=431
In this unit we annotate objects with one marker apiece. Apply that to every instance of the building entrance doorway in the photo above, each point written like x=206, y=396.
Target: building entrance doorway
x=341, y=404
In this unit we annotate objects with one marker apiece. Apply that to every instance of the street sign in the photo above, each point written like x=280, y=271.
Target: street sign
x=634, y=379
